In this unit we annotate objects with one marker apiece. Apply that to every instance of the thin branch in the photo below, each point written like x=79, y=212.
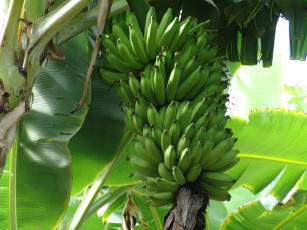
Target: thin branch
x=84, y=206
x=103, y=11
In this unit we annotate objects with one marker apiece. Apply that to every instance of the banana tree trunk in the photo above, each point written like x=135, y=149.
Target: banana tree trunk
x=188, y=211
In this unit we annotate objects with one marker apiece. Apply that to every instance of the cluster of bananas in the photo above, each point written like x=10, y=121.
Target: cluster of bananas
x=171, y=80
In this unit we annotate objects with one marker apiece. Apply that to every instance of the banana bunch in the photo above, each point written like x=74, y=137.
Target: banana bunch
x=172, y=83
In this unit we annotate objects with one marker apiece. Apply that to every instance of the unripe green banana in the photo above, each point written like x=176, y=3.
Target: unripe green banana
x=170, y=114
x=167, y=185
x=187, y=85
x=202, y=82
x=196, y=152
x=199, y=26
x=153, y=148
x=162, y=198
x=147, y=91
x=199, y=135
x=178, y=175
x=110, y=45
x=170, y=157
x=208, y=145
x=166, y=140
x=151, y=13
x=118, y=32
x=140, y=109
x=134, y=85
x=126, y=92
x=142, y=165
x=164, y=172
x=184, y=161
x=173, y=82
x=166, y=19
x=156, y=134
x=217, y=152
x=227, y=166
x=170, y=34
x=117, y=63
x=183, y=33
x=221, y=163
x=217, y=178
x=193, y=173
x=151, y=181
x=190, y=129
x=189, y=67
x=138, y=124
x=175, y=132
x=150, y=37
x=183, y=143
x=159, y=86
x=153, y=116
x=125, y=54
x=146, y=130
x=138, y=44
x=215, y=192
x=111, y=76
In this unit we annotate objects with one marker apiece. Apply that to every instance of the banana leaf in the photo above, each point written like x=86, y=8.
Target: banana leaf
x=272, y=149
x=35, y=189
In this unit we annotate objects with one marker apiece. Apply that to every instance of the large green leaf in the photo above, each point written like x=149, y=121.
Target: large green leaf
x=37, y=180
x=272, y=148
x=254, y=216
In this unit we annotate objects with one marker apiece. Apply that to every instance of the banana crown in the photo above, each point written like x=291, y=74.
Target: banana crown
x=172, y=81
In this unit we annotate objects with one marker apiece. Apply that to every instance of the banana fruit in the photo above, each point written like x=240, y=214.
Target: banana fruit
x=172, y=83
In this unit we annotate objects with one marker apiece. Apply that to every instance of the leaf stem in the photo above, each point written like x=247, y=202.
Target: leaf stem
x=155, y=215
x=273, y=159
x=290, y=217
x=84, y=206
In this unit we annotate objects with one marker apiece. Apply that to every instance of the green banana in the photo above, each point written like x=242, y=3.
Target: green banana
x=193, y=173
x=162, y=198
x=166, y=19
x=164, y=172
x=142, y=165
x=184, y=161
x=118, y=32
x=125, y=54
x=138, y=124
x=146, y=90
x=170, y=157
x=117, y=63
x=167, y=185
x=140, y=109
x=196, y=152
x=199, y=135
x=217, y=152
x=170, y=114
x=153, y=116
x=166, y=140
x=215, y=192
x=126, y=91
x=156, y=134
x=110, y=45
x=175, y=132
x=170, y=34
x=190, y=129
x=217, y=178
x=183, y=143
x=227, y=166
x=208, y=145
x=221, y=163
x=178, y=175
x=173, y=82
x=134, y=85
x=151, y=13
x=153, y=148
x=111, y=76
x=183, y=33
x=138, y=44
x=187, y=85
x=159, y=86
x=150, y=37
